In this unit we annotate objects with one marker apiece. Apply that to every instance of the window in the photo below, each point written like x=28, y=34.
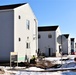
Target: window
x=39, y=36
x=28, y=24
x=49, y=36
x=60, y=48
x=33, y=38
x=19, y=39
x=19, y=17
x=27, y=37
x=27, y=45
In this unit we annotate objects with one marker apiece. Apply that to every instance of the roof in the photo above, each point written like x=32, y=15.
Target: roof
x=12, y=6
x=47, y=28
x=72, y=39
x=66, y=35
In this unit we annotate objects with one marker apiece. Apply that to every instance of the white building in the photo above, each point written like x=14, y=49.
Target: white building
x=66, y=47
x=18, y=31
x=72, y=45
x=47, y=40
x=75, y=47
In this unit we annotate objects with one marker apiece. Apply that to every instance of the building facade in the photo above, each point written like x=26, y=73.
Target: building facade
x=47, y=40
x=66, y=47
x=72, y=45
x=18, y=30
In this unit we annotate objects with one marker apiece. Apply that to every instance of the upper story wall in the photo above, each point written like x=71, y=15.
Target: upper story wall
x=23, y=15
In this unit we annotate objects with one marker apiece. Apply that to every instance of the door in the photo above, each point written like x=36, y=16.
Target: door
x=50, y=51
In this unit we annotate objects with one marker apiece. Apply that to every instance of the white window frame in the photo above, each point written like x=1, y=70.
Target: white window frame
x=28, y=24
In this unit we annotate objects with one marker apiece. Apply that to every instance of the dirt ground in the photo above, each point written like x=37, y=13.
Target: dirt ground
x=41, y=64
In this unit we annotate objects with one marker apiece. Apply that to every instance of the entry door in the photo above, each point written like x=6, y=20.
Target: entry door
x=50, y=51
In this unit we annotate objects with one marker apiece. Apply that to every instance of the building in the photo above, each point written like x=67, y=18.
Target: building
x=72, y=45
x=47, y=40
x=18, y=31
x=75, y=47
x=66, y=47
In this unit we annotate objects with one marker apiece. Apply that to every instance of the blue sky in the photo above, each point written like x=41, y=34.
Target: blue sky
x=53, y=12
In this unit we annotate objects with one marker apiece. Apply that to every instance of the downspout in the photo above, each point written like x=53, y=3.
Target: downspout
x=36, y=34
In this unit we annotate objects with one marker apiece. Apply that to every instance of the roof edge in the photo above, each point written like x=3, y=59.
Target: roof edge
x=48, y=28
x=14, y=4
x=11, y=6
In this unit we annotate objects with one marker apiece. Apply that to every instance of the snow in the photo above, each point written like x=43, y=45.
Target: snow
x=71, y=56
x=56, y=60
x=29, y=71
x=38, y=73
x=42, y=73
x=34, y=69
x=68, y=73
x=68, y=64
x=46, y=73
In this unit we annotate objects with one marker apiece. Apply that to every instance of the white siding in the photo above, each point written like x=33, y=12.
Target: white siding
x=69, y=45
x=58, y=32
x=6, y=34
x=20, y=30
x=44, y=42
x=66, y=47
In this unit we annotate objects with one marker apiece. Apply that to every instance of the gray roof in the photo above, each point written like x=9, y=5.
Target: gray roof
x=66, y=35
x=12, y=6
x=47, y=28
x=72, y=39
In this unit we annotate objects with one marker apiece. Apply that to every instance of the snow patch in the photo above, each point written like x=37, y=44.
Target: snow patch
x=46, y=73
x=34, y=69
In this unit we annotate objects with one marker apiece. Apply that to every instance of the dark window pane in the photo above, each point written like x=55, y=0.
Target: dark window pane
x=49, y=36
x=28, y=24
x=26, y=45
x=19, y=17
x=39, y=36
x=19, y=39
